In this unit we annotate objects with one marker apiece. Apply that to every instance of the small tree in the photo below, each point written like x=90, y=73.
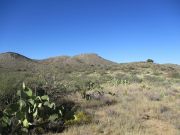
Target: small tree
x=150, y=61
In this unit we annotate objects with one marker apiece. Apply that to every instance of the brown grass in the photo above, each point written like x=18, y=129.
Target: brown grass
x=134, y=113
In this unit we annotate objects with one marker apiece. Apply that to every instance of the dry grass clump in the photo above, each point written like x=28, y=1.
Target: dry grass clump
x=135, y=112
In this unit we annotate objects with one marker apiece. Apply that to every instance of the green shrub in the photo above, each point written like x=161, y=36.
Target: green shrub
x=85, y=84
x=29, y=112
x=79, y=118
x=150, y=61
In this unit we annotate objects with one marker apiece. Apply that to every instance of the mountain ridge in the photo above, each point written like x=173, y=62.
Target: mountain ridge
x=16, y=60
x=88, y=58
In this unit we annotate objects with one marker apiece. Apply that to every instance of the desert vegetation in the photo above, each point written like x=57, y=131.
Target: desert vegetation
x=87, y=94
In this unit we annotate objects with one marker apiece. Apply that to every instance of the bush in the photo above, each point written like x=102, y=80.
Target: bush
x=79, y=118
x=150, y=61
x=31, y=111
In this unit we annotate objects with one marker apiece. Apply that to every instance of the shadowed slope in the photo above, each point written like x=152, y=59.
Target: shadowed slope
x=11, y=60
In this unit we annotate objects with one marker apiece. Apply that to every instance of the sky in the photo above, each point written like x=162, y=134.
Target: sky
x=118, y=30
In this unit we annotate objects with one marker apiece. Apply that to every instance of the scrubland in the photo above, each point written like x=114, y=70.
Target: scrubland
x=141, y=98
x=135, y=109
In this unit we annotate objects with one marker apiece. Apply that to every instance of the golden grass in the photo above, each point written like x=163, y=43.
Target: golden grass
x=134, y=113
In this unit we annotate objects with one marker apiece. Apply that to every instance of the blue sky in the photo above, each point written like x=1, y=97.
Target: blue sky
x=119, y=30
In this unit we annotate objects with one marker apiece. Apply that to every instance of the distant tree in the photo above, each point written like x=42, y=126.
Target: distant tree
x=150, y=61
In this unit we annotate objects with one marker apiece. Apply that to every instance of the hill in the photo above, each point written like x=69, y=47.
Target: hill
x=83, y=59
x=11, y=60
x=128, y=98
x=15, y=68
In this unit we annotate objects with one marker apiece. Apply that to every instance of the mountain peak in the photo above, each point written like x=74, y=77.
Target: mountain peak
x=15, y=61
x=93, y=58
x=12, y=55
x=87, y=55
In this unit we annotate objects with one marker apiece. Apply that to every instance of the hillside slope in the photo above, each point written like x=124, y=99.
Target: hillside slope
x=129, y=98
x=15, y=68
x=11, y=60
x=82, y=59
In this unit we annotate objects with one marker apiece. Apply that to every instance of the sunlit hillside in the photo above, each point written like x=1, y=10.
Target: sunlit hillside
x=140, y=98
